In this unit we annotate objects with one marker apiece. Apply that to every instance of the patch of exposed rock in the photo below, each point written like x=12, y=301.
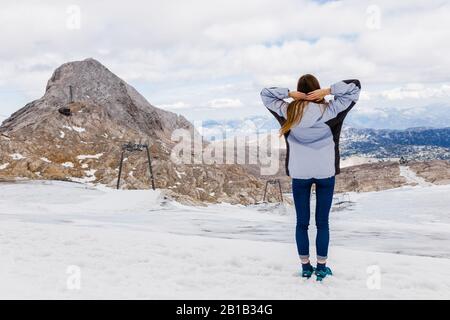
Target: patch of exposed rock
x=370, y=177
x=435, y=171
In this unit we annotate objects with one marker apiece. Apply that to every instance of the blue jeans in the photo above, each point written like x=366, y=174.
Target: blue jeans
x=301, y=190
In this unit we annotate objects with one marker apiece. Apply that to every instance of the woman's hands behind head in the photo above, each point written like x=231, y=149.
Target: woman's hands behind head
x=297, y=95
x=318, y=95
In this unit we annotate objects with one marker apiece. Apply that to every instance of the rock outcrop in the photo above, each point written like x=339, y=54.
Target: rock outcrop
x=436, y=171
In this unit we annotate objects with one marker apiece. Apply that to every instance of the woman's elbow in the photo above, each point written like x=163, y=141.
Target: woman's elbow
x=356, y=82
x=264, y=92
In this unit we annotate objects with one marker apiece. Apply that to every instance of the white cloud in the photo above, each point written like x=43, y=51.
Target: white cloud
x=417, y=91
x=175, y=105
x=220, y=103
x=365, y=96
x=224, y=103
x=208, y=44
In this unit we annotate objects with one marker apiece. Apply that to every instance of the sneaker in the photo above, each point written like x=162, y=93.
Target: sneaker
x=307, y=273
x=320, y=274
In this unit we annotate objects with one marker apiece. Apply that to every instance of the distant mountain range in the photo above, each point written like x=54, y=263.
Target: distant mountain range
x=412, y=143
x=434, y=116
x=419, y=143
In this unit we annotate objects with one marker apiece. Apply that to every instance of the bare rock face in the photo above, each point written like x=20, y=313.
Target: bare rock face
x=370, y=177
x=76, y=131
x=436, y=171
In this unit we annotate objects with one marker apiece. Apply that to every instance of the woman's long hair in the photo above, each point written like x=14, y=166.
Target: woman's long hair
x=296, y=108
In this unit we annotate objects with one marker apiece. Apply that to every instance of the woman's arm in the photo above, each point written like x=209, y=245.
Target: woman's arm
x=346, y=94
x=273, y=99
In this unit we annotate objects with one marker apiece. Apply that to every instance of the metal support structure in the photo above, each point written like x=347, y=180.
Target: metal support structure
x=136, y=147
x=152, y=179
x=403, y=161
x=273, y=182
x=120, y=168
x=70, y=94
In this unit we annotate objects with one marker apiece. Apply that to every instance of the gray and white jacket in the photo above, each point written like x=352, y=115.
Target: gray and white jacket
x=313, y=144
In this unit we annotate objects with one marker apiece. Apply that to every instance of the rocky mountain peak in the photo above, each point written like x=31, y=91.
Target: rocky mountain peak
x=82, y=75
x=77, y=129
x=88, y=86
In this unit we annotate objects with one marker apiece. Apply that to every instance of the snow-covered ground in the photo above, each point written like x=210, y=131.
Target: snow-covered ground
x=68, y=240
x=357, y=160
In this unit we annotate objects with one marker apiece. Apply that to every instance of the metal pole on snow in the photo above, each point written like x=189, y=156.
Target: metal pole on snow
x=120, y=169
x=136, y=147
x=273, y=182
x=150, y=167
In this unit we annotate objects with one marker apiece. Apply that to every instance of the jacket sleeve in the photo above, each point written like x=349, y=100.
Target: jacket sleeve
x=346, y=94
x=273, y=99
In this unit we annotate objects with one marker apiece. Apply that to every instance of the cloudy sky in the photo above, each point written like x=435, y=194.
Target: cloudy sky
x=210, y=58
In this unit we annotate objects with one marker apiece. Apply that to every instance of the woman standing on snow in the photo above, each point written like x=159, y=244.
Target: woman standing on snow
x=311, y=127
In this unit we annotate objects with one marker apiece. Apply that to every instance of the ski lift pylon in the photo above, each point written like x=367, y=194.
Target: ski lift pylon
x=273, y=182
x=136, y=147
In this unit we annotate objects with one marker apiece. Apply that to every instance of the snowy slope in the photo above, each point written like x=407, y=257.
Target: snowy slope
x=136, y=244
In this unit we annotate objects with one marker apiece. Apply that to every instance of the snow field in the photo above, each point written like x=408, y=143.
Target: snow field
x=138, y=245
